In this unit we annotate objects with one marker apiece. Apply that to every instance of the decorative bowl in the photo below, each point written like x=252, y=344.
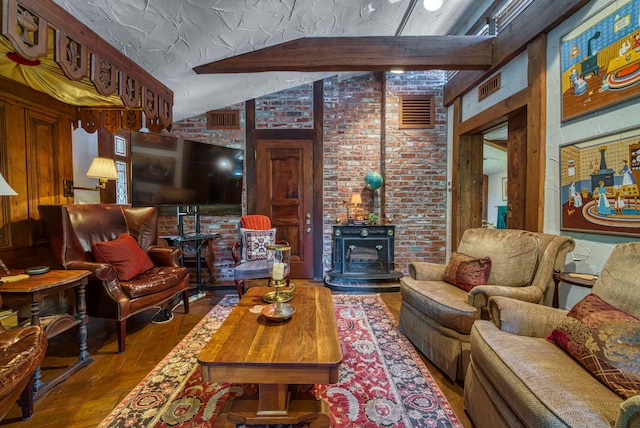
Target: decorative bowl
x=278, y=311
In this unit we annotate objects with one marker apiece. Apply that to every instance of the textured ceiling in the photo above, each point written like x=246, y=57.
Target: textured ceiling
x=170, y=37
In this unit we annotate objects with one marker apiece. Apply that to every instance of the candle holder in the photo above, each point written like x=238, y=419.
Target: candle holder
x=279, y=265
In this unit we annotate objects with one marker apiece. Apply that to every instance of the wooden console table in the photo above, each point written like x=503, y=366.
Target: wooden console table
x=34, y=289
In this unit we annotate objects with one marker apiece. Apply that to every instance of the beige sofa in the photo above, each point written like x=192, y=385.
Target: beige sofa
x=437, y=316
x=517, y=378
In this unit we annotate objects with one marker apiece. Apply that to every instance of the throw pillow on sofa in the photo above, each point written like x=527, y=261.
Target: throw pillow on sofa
x=605, y=340
x=466, y=272
x=124, y=254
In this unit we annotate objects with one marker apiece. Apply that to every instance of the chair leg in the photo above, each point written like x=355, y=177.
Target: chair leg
x=240, y=287
x=122, y=334
x=26, y=400
x=185, y=301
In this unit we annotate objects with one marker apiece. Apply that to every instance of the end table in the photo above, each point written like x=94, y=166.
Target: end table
x=580, y=279
x=33, y=289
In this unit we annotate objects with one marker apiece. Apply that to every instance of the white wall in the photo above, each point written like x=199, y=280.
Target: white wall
x=591, y=250
x=85, y=148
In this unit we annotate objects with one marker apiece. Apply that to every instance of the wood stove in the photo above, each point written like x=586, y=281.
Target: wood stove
x=363, y=252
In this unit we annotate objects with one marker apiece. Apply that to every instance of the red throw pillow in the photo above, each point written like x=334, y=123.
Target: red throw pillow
x=466, y=272
x=605, y=340
x=124, y=254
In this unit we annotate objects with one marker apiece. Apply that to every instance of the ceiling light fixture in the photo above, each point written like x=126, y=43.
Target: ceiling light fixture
x=433, y=5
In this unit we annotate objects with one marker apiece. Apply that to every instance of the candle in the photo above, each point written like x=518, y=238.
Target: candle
x=278, y=271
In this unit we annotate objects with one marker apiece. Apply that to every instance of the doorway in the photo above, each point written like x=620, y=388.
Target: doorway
x=494, y=171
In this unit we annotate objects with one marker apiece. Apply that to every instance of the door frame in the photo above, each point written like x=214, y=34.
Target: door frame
x=316, y=134
x=528, y=108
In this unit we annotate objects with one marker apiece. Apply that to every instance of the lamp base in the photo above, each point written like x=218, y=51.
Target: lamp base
x=277, y=296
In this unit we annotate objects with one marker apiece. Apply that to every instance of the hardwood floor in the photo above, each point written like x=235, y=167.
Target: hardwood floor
x=87, y=397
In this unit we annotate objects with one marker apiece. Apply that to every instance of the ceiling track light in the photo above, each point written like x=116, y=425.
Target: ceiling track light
x=432, y=5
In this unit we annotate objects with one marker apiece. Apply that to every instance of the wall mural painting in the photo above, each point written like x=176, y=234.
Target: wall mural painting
x=600, y=60
x=599, y=192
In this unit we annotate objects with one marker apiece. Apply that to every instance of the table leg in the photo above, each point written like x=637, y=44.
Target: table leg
x=82, y=328
x=35, y=320
x=275, y=406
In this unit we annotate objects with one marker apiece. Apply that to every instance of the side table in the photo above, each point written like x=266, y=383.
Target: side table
x=580, y=279
x=34, y=289
x=191, y=246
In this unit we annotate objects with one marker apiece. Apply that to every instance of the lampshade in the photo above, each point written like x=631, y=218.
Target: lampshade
x=5, y=189
x=103, y=168
x=356, y=198
x=433, y=5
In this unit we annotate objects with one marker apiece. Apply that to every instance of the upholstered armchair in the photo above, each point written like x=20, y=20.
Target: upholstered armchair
x=437, y=315
x=118, y=244
x=536, y=366
x=21, y=352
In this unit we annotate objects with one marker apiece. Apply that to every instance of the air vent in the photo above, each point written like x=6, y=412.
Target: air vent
x=417, y=112
x=223, y=119
x=489, y=87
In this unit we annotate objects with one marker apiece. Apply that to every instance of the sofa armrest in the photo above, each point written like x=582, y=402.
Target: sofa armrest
x=165, y=256
x=424, y=271
x=102, y=271
x=629, y=414
x=107, y=276
x=479, y=295
x=524, y=318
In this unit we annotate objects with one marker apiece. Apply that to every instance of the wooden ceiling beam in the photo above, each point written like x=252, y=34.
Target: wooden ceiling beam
x=377, y=53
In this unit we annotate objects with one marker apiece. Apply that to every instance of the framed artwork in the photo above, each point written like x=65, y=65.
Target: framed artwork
x=153, y=169
x=156, y=141
x=600, y=60
x=599, y=185
x=504, y=188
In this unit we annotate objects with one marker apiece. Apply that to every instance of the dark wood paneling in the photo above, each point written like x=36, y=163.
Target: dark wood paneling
x=516, y=172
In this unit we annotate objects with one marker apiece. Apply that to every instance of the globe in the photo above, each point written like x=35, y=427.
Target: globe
x=373, y=180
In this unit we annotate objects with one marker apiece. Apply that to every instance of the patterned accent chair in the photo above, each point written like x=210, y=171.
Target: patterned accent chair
x=587, y=377
x=437, y=316
x=249, y=252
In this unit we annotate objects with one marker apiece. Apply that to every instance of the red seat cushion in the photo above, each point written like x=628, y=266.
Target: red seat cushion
x=124, y=254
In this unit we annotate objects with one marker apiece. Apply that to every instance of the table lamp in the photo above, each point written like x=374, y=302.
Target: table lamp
x=5, y=190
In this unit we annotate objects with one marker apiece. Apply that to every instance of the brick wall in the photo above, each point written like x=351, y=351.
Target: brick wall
x=412, y=161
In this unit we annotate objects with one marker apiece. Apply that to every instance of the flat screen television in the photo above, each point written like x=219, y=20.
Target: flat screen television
x=171, y=172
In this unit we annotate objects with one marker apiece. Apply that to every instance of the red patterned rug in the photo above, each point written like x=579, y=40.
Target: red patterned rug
x=382, y=381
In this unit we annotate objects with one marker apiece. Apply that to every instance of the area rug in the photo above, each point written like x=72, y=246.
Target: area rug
x=382, y=381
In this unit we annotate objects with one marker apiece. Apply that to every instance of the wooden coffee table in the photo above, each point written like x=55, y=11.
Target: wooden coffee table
x=248, y=348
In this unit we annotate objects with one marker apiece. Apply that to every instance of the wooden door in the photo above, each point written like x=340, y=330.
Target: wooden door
x=284, y=176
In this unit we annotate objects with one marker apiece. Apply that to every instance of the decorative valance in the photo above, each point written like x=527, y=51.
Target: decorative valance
x=50, y=51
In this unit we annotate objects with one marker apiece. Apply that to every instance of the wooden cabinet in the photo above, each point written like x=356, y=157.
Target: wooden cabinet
x=35, y=156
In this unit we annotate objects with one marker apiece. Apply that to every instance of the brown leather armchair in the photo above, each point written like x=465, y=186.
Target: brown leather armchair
x=21, y=352
x=72, y=229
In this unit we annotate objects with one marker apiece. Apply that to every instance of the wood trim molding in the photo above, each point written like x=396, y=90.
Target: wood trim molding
x=540, y=17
